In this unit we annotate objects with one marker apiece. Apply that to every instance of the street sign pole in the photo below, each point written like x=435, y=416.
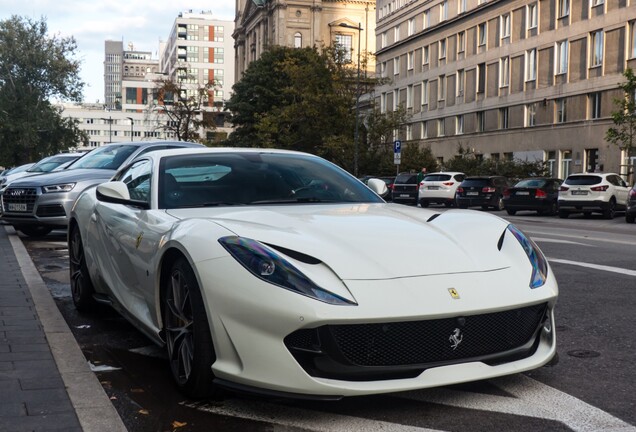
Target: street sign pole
x=397, y=154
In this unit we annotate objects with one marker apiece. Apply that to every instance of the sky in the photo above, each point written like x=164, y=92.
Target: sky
x=143, y=23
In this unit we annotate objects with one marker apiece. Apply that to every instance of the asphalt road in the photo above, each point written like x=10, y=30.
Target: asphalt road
x=591, y=388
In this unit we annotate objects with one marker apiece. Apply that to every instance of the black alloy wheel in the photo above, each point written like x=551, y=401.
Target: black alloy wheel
x=188, y=339
x=610, y=211
x=81, y=286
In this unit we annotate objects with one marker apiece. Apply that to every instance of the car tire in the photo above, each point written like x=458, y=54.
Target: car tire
x=554, y=208
x=82, y=290
x=187, y=332
x=423, y=203
x=610, y=211
x=33, y=230
x=511, y=212
x=500, y=204
x=629, y=218
x=563, y=214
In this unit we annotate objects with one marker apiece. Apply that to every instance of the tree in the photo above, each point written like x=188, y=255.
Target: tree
x=623, y=133
x=183, y=108
x=34, y=69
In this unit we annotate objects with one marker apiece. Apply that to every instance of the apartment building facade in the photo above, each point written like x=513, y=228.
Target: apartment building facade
x=303, y=23
x=509, y=79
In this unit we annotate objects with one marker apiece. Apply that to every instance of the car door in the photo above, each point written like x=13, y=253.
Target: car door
x=622, y=190
x=129, y=239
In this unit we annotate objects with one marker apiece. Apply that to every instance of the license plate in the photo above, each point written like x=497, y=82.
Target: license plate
x=404, y=195
x=472, y=193
x=21, y=207
x=433, y=188
x=577, y=192
x=523, y=193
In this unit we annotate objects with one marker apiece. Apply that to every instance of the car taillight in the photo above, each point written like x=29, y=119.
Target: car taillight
x=488, y=189
x=421, y=183
x=448, y=183
x=540, y=193
x=600, y=188
x=563, y=189
x=460, y=190
x=506, y=193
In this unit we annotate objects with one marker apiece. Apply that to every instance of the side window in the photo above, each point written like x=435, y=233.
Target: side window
x=612, y=179
x=137, y=178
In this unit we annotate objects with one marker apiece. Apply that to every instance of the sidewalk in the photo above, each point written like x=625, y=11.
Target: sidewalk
x=45, y=381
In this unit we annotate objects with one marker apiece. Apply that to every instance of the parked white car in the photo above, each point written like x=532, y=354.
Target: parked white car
x=439, y=187
x=593, y=192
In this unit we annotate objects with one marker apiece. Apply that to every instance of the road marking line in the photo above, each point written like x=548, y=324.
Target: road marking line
x=581, y=237
x=619, y=270
x=302, y=418
x=549, y=240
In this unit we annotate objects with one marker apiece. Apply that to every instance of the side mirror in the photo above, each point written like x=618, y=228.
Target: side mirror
x=116, y=192
x=378, y=186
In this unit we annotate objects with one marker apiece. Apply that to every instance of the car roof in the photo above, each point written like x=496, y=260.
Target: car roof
x=444, y=172
x=213, y=150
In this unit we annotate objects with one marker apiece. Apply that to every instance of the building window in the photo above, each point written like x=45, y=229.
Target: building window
x=384, y=39
x=503, y=118
x=481, y=77
x=597, y=2
x=531, y=114
x=566, y=163
x=462, y=6
x=596, y=45
x=481, y=34
x=595, y=105
x=411, y=26
x=423, y=130
x=383, y=69
x=396, y=34
x=396, y=99
x=504, y=72
x=505, y=26
x=298, y=40
x=442, y=49
x=443, y=11
x=409, y=96
x=426, y=19
x=396, y=66
x=409, y=132
x=441, y=127
x=409, y=60
x=459, y=125
x=461, y=42
x=531, y=16
x=550, y=161
x=564, y=8
x=383, y=103
x=531, y=65
x=632, y=39
x=441, y=88
x=425, y=57
x=560, y=106
x=561, y=64
x=344, y=45
x=460, y=83
x=424, y=92
x=481, y=121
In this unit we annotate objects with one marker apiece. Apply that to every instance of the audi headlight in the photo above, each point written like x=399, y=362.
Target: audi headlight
x=66, y=187
x=270, y=267
x=536, y=257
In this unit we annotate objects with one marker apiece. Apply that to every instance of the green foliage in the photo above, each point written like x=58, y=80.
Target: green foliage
x=471, y=165
x=181, y=109
x=35, y=68
x=624, y=117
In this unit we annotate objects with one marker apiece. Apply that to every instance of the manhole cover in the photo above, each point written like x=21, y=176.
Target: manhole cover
x=584, y=353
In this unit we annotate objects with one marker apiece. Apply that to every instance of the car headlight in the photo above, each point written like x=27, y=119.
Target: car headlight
x=268, y=266
x=67, y=187
x=536, y=257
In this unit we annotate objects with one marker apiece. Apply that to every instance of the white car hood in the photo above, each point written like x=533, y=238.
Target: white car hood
x=371, y=241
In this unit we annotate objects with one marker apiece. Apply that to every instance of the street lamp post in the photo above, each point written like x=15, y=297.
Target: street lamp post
x=132, y=122
x=356, y=150
x=110, y=128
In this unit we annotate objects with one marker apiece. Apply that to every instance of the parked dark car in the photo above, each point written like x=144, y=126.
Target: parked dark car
x=630, y=212
x=405, y=188
x=486, y=191
x=538, y=193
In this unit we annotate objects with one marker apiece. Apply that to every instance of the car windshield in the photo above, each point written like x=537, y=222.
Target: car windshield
x=437, y=177
x=251, y=178
x=407, y=178
x=583, y=180
x=531, y=183
x=50, y=163
x=475, y=182
x=110, y=156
